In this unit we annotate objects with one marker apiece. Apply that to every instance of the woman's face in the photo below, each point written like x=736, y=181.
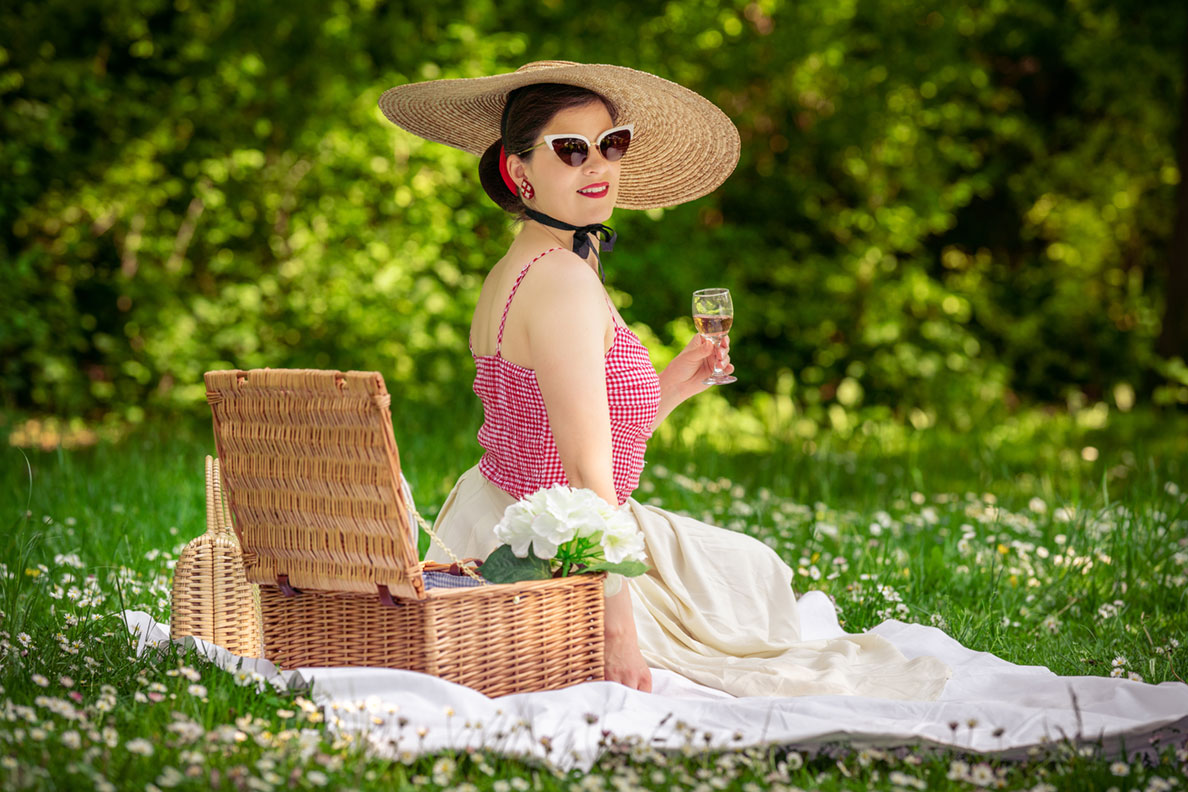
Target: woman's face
x=559, y=187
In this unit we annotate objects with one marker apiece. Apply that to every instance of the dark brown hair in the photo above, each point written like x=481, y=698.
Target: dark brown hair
x=527, y=111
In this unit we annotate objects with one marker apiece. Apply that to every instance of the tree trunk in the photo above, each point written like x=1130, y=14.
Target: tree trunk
x=1173, y=337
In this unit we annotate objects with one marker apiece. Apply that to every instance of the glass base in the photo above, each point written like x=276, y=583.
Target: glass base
x=726, y=380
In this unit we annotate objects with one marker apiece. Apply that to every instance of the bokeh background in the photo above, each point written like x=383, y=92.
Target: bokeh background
x=945, y=212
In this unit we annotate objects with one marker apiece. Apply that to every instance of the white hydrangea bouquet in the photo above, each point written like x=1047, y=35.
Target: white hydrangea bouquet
x=561, y=531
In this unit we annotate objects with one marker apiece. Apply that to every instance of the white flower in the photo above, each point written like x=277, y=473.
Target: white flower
x=582, y=509
x=443, y=770
x=551, y=517
x=903, y=780
x=594, y=514
x=187, y=731
x=515, y=528
x=139, y=746
x=548, y=518
x=622, y=540
x=981, y=774
x=539, y=520
x=550, y=532
x=170, y=777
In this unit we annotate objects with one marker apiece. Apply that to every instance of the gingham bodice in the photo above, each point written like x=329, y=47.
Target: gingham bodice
x=521, y=455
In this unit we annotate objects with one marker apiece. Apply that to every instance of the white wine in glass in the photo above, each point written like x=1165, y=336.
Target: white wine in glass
x=713, y=313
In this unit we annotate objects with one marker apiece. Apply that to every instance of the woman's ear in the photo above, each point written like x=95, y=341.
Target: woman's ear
x=516, y=168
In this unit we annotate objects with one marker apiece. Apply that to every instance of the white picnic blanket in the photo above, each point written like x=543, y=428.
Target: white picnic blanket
x=997, y=706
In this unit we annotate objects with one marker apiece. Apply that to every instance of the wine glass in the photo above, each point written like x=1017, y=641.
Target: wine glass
x=713, y=312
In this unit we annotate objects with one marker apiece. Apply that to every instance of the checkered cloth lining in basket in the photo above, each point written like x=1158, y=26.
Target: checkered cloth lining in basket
x=446, y=580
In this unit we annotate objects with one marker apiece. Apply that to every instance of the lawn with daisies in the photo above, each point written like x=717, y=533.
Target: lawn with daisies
x=1047, y=538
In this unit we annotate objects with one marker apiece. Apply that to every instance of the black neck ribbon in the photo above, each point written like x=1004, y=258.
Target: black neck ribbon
x=605, y=235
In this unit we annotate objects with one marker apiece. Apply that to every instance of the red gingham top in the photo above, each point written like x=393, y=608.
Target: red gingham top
x=521, y=455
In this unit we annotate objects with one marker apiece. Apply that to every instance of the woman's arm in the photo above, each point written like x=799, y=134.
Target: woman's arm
x=683, y=377
x=566, y=325
x=566, y=330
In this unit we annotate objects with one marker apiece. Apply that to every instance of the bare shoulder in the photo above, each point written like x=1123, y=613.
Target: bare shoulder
x=563, y=301
x=561, y=280
x=560, y=263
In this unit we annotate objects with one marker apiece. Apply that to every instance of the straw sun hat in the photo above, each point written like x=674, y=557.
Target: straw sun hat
x=683, y=148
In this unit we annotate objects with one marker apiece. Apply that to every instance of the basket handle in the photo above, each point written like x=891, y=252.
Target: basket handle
x=222, y=515
x=212, y=523
x=218, y=512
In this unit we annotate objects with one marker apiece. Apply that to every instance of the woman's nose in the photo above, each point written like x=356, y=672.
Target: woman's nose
x=596, y=163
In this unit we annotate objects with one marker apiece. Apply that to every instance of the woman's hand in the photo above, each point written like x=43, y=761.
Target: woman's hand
x=624, y=662
x=694, y=363
x=684, y=376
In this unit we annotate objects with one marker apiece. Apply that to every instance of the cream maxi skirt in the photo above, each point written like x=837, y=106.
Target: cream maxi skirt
x=716, y=607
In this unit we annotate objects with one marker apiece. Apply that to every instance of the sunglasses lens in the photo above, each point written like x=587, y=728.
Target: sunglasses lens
x=572, y=151
x=614, y=145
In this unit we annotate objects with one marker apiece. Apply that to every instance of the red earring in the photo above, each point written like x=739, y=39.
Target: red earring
x=526, y=190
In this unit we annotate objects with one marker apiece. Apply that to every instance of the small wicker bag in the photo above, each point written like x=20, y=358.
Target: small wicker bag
x=312, y=478
x=212, y=598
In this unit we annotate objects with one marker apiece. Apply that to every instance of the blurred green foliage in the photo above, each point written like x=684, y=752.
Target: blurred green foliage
x=939, y=207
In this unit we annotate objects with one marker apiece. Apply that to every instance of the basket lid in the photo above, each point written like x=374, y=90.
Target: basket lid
x=312, y=477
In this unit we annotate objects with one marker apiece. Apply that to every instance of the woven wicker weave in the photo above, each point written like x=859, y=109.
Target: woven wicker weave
x=212, y=598
x=312, y=477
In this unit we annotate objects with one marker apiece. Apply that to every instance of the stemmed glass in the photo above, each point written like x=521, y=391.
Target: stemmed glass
x=713, y=313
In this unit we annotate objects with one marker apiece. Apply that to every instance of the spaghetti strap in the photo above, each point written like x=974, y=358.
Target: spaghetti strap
x=611, y=306
x=507, y=305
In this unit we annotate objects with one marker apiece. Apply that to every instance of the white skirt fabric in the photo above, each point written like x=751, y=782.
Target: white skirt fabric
x=716, y=607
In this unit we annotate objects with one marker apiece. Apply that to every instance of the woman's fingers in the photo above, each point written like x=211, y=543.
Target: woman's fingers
x=640, y=679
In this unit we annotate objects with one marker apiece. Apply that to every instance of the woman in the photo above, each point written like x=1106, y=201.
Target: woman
x=570, y=397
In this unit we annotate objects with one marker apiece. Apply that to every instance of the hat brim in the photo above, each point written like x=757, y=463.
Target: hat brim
x=684, y=146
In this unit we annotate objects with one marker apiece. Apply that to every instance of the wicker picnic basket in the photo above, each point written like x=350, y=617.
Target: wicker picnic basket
x=312, y=478
x=211, y=596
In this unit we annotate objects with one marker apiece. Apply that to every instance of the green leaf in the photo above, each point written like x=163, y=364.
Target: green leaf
x=503, y=566
x=628, y=568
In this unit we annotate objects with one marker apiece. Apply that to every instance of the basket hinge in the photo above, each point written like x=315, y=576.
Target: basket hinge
x=385, y=596
x=286, y=589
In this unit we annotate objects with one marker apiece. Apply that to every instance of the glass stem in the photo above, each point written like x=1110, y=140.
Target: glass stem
x=718, y=371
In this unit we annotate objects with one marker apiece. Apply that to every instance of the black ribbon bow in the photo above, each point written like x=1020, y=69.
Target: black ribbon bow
x=605, y=235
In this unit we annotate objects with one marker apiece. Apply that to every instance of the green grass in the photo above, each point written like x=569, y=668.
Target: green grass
x=1044, y=538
